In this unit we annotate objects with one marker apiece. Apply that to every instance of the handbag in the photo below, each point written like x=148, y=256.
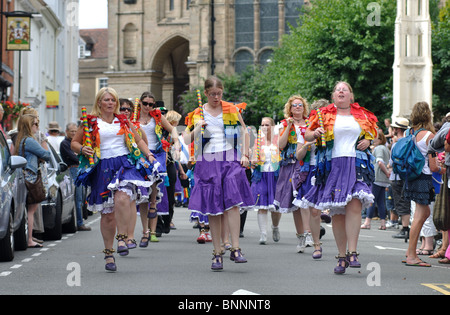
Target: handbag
x=36, y=189
x=441, y=211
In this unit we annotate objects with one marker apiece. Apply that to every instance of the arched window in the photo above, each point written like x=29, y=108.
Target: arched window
x=129, y=43
x=243, y=59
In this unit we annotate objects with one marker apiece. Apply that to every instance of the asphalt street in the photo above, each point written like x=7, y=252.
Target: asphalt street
x=178, y=265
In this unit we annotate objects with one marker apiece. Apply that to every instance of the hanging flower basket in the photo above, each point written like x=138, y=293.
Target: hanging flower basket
x=11, y=113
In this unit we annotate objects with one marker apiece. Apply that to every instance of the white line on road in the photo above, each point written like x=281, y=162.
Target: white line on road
x=390, y=248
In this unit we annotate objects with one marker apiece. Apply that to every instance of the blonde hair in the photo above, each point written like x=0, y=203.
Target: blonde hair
x=24, y=129
x=173, y=116
x=320, y=103
x=96, y=111
x=288, y=105
x=272, y=122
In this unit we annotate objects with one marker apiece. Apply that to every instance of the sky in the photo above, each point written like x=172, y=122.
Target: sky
x=93, y=14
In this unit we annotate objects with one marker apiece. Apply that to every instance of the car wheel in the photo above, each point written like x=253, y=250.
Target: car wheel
x=21, y=235
x=7, y=243
x=71, y=226
x=56, y=232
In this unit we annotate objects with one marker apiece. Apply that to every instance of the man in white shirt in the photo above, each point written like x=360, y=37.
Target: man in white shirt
x=54, y=137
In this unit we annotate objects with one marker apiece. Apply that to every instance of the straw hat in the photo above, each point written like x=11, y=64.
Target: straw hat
x=401, y=123
x=53, y=126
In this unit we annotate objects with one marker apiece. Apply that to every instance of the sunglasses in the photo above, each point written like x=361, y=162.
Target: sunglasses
x=297, y=105
x=148, y=104
x=125, y=109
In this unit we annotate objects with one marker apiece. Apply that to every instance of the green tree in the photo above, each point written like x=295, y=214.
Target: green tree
x=337, y=40
x=441, y=62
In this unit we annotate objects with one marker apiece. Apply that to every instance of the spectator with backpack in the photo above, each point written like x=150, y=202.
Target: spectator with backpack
x=421, y=190
x=402, y=206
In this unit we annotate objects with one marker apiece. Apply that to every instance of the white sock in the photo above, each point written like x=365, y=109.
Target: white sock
x=262, y=222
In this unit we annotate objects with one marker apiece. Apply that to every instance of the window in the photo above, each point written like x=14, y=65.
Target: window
x=243, y=59
x=244, y=24
x=4, y=151
x=269, y=22
x=102, y=82
x=292, y=13
x=130, y=43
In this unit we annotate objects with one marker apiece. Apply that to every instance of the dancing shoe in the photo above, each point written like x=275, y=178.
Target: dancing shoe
x=122, y=250
x=317, y=253
x=342, y=265
x=352, y=258
x=111, y=266
x=217, y=263
x=236, y=256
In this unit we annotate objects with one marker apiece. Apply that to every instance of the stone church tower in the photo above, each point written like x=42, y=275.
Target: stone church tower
x=167, y=46
x=413, y=64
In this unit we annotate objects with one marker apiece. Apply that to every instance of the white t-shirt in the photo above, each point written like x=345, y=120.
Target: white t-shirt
x=55, y=141
x=110, y=145
x=346, y=132
x=215, y=129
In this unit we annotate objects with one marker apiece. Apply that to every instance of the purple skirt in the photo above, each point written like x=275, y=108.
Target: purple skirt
x=284, y=193
x=198, y=217
x=305, y=187
x=264, y=191
x=220, y=184
x=117, y=174
x=340, y=188
x=162, y=207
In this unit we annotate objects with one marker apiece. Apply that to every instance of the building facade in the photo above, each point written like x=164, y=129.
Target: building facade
x=168, y=46
x=7, y=57
x=46, y=77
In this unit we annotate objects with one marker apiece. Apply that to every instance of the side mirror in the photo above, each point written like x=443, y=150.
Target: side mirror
x=17, y=162
x=63, y=167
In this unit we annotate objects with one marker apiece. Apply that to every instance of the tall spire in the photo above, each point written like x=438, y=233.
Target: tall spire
x=412, y=65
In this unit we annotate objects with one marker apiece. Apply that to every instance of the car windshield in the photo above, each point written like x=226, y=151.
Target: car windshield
x=5, y=154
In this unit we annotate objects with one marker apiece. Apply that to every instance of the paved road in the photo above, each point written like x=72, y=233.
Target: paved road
x=177, y=265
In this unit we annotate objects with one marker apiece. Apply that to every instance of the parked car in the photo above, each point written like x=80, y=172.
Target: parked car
x=13, y=213
x=58, y=211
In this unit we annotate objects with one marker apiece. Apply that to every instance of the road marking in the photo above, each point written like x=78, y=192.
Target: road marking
x=391, y=248
x=444, y=288
x=44, y=249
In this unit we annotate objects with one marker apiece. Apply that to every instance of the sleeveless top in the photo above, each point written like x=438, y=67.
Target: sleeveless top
x=423, y=148
x=149, y=130
x=110, y=146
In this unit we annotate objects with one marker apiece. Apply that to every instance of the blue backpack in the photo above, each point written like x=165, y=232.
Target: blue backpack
x=407, y=160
